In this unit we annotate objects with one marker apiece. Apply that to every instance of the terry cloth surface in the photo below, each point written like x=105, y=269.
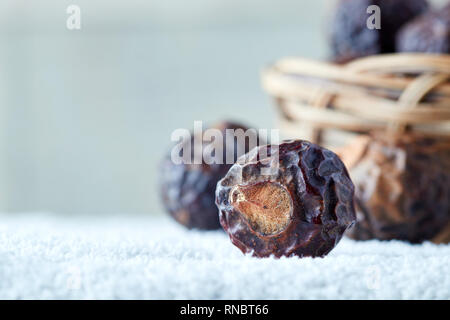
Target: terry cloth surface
x=44, y=256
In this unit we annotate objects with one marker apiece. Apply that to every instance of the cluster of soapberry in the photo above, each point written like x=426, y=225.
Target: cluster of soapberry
x=291, y=198
x=296, y=198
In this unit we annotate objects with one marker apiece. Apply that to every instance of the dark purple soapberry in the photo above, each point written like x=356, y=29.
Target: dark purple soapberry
x=188, y=190
x=297, y=200
x=428, y=33
x=350, y=36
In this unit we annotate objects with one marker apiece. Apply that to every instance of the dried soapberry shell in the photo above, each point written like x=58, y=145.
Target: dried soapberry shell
x=350, y=36
x=298, y=200
x=188, y=190
x=427, y=33
x=402, y=187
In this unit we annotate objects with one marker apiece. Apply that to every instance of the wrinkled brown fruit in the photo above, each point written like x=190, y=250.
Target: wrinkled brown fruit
x=350, y=36
x=301, y=208
x=188, y=190
x=402, y=187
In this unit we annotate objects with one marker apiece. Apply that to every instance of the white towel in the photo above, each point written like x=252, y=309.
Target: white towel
x=43, y=256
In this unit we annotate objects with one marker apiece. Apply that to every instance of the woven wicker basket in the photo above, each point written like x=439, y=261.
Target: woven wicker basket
x=329, y=104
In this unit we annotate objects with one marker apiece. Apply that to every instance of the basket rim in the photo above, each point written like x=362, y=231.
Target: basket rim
x=386, y=90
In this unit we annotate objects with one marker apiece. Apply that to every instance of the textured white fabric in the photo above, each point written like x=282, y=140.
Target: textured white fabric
x=45, y=257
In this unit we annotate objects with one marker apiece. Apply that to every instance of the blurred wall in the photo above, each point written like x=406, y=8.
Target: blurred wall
x=86, y=115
